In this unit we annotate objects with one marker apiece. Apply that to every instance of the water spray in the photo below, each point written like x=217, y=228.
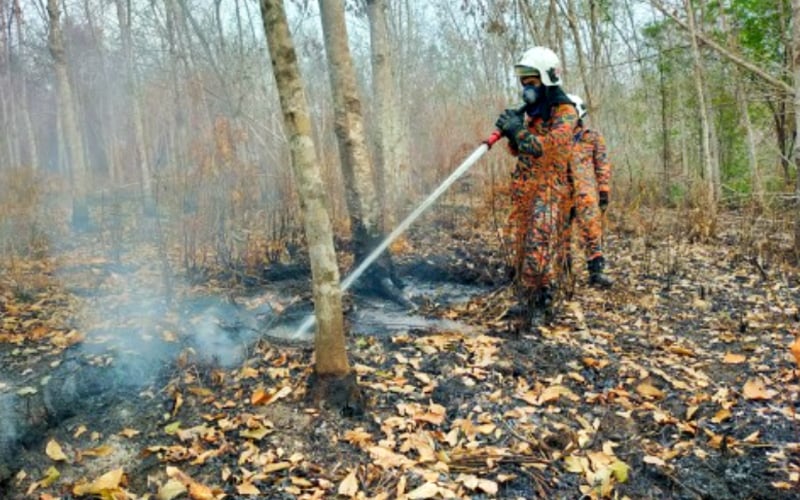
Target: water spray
x=485, y=146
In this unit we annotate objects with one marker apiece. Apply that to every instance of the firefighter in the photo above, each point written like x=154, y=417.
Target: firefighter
x=541, y=136
x=590, y=175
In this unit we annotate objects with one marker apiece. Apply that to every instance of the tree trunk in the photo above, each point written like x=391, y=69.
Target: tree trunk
x=357, y=169
x=330, y=351
x=796, y=81
x=30, y=136
x=6, y=156
x=665, y=129
x=73, y=140
x=6, y=94
x=756, y=184
x=705, y=131
x=145, y=173
x=572, y=19
x=386, y=112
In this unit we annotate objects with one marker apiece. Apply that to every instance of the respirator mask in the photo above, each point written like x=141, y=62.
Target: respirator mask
x=529, y=94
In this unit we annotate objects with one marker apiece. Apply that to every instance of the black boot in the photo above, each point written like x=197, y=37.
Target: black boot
x=518, y=317
x=541, y=307
x=596, y=275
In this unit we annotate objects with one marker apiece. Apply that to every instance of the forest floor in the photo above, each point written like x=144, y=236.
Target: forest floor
x=677, y=383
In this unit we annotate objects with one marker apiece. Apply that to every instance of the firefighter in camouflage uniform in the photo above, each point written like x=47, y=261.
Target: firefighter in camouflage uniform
x=541, y=136
x=590, y=175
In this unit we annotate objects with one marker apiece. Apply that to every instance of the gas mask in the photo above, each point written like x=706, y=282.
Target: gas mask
x=529, y=94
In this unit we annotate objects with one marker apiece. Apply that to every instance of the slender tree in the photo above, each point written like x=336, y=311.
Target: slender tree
x=331, y=364
x=30, y=135
x=70, y=129
x=795, y=62
x=586, y=78
x=702, y=109
x=357, y=167
x=384, y=109
x=131, y=86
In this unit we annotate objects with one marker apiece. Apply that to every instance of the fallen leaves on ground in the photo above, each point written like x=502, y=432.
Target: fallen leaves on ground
x=683, y=367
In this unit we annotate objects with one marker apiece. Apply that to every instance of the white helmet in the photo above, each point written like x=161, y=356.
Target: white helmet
x=580, y=106
x=543, y=61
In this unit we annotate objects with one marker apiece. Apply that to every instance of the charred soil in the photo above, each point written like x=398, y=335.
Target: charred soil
x=677, y=383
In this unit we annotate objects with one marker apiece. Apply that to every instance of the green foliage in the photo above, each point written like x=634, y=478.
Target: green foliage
x=676, y=194
x=761, y=26
x=734, y=167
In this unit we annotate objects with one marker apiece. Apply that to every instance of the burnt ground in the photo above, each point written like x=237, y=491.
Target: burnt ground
x=677, y=383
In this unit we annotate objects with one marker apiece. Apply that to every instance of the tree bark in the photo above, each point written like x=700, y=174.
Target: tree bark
x=349, y=125
x=756, y=184
x=796, y=81
x=381, y=94
x=330, y=351
x=572, y=19
x=705, y=132
x=145, y=173
x=30, y=135
x=665, y=129
x=357, y=169
x=73, y=139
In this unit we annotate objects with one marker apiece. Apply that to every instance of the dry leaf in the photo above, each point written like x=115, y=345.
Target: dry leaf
x=54, y=451
x=260, y=397
x=721, y=416
x=427, y=490
x=258, y=433
x=129, y=433
x=755, y=388
x=349, y=486
x=248, y=489
x=752, y=438
x=269, y=468
x=733, y=359
x=171, y=489
x=177, y=404
x=249, y=372
x=552, y=393
x=101, y=486
x=649, y=391
x=650, y=459
x=388, y=459
x=197, y=491
x=680, y=350
x=358, y=437
x=100, y=451
x=487, y=486
x=576, y=464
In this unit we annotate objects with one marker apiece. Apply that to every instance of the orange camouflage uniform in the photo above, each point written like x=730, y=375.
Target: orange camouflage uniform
x=541, y=197
x=591, y=173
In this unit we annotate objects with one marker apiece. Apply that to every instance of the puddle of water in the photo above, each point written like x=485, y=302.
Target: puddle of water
x=385, y=322
x=375, y=316
x=445, y=293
